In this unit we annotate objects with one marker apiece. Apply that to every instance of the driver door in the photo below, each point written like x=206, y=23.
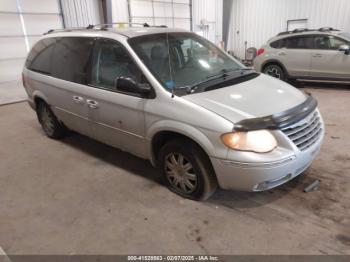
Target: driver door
x=117, y=118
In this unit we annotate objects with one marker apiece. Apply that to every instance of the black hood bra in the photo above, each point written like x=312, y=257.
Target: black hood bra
x=280, y=120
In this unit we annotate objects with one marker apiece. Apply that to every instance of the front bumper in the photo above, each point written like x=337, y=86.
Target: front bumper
x=262, y=176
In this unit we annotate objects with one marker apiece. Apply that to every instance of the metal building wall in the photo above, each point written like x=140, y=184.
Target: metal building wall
x=22, y=23
x=256, y=21
x=80, y=13
x=211, y=11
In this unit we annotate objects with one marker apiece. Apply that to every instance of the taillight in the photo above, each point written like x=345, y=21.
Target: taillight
x=260, y=51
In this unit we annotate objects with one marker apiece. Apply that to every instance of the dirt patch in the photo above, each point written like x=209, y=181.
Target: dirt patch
x=344, y=239
x=342, y=158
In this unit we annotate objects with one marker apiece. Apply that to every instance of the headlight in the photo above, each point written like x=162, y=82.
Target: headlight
x=260, y=141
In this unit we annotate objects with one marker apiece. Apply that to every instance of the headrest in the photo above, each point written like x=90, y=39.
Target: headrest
x=158, y=52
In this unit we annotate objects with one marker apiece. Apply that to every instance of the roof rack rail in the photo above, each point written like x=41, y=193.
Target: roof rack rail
x=64, y=30
x=105, y=26
x=100, y=27
x=298, y=30
x=326, y=29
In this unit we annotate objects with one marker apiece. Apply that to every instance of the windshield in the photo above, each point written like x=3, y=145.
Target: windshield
x=346, y=35
x=190, y=59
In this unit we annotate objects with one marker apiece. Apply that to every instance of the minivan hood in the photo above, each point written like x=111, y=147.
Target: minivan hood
x=259, y=97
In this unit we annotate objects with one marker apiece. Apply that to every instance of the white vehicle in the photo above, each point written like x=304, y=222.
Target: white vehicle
x=321, y=55
x=174, y=98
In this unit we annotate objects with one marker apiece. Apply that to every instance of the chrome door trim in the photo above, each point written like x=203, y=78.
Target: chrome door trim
x=69, y=112
x=118, y=129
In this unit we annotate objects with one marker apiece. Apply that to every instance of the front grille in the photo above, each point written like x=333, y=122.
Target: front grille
x=305, y=133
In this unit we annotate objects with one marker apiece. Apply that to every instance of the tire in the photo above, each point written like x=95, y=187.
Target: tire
x=195, y=170
x=275, y=70
x=51, y=126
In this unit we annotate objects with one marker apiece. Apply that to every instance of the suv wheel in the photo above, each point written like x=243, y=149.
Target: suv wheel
x=187, y=170
x=51, y=126
x=274, y=71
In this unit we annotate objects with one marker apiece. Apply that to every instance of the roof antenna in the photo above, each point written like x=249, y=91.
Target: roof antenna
x=170, y=69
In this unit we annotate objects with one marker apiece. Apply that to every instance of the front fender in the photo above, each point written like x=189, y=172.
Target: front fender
x=181, y=128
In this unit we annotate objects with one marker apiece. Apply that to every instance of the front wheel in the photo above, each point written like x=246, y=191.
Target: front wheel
x=187, y=170
x=274, y=71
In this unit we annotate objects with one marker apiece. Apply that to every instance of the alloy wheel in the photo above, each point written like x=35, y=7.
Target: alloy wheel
x=180, y=173
x=273, y=71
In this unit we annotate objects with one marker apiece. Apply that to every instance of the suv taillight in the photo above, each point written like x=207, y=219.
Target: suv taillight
x=260, y=51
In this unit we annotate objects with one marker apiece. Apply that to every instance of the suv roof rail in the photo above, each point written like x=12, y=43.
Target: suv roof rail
x=326, y=29
x=300, y=30
x=105, y=26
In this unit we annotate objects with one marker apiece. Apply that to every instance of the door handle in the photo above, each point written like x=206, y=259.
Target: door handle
x=92, y=103
x=317, y=55
x=282, y=53
x=78, y=99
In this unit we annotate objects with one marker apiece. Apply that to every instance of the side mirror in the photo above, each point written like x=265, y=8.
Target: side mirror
x=345, y=49
x=129, y=85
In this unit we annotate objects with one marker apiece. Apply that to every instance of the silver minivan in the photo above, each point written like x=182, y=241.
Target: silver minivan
x=174, y=98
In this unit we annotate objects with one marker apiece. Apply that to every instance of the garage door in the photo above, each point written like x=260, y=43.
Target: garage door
x=22, y=23
x=176, y=13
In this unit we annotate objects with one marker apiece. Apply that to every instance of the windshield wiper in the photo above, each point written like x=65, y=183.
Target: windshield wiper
x=223, y=73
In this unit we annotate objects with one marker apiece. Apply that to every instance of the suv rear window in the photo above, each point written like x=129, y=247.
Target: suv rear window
x=305, y=42
x=277, y=44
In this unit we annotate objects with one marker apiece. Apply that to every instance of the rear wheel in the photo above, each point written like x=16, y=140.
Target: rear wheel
x=51, y=126
x=187, y=170
x=274, y=70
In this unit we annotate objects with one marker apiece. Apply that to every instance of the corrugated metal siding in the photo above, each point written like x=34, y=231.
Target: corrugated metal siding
x=22, y=23
x=256, y=21
x=211, y=11
x=120, y=11
x=81, y=13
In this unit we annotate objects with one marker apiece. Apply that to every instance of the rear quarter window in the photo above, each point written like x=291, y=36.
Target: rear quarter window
x=71, y=59
x=300, y=42
x=40, y=56
x=277, y=44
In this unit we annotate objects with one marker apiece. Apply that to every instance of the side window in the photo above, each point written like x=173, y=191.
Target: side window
x=111, y=61
x=40, y=57
x=299, y=42
x=322, y=42
x=71, y=58
x=336, y=42
x=278, y=44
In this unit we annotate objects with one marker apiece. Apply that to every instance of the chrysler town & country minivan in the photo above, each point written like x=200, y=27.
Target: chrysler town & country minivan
x=174, y=98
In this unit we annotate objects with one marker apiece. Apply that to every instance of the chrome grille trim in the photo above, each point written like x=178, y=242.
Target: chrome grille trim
x=305, y=133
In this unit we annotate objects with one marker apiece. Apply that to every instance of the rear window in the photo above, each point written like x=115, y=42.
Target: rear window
x=71, y=58
x=305, y=42
x=66, y=58
x=40, y=57
x=277, y=44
